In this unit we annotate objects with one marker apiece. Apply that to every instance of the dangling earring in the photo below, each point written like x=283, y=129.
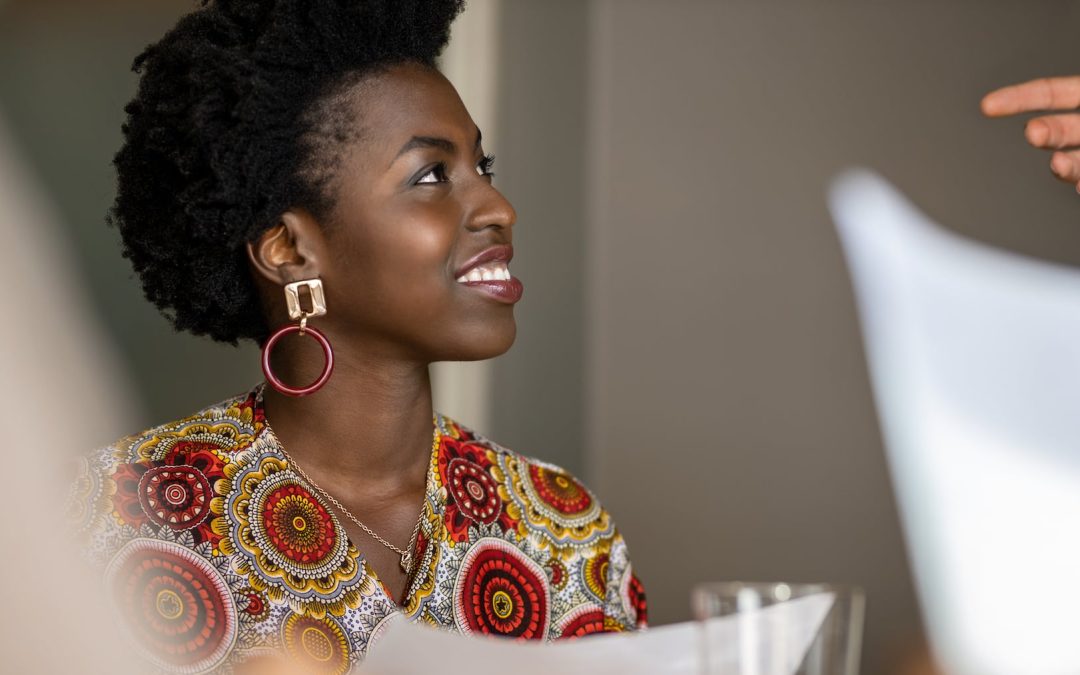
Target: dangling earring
x=318, y=308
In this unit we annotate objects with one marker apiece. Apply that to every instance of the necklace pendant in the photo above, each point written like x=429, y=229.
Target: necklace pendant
x=406, y=562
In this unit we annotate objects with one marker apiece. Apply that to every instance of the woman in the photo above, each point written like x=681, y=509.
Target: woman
x=299, y=173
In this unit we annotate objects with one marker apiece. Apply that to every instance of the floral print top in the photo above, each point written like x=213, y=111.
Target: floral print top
x=217, y=551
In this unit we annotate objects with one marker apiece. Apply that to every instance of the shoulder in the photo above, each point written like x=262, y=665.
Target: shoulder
x=161, y=482
x=540, y=499
x=149, y=514
x=515, y=509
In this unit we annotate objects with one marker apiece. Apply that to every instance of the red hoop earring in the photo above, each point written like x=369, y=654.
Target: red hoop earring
x=318, y=308
x=276, y=382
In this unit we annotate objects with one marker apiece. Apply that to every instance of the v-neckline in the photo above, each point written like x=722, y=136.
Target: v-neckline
x=431, y=498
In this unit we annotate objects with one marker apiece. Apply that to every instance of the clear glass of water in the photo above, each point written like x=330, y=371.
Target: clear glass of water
x=778, y=628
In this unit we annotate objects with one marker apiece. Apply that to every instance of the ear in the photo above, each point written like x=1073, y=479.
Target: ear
x=288, y=251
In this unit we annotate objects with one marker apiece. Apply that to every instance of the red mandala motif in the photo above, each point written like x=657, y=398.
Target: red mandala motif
x=473, y=490
x=178, y=497
x=501, y=592
x=298, y=526
x=175, y=492
x=560, y=491
x=465, y=472
x=581, y=621
x=179, y=608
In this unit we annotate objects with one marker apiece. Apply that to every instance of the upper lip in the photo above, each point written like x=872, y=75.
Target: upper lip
x=502, y=253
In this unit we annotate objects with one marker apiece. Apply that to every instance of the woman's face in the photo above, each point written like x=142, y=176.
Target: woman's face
x=414, y=258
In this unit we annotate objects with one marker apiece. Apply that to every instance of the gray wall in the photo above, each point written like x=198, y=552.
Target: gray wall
x=730, y=425
x=538, y=403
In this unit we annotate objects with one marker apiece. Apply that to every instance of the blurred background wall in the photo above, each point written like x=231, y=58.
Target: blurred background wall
x=687, y=340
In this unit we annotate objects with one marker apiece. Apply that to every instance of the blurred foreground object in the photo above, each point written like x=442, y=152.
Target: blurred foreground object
x=62, y=395
x=974, y=355
x=405, y=648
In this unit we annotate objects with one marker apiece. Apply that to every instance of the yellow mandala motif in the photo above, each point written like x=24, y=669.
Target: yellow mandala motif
x=223, y=432
x=316, y=645
x=287, y=542
x=552, y=504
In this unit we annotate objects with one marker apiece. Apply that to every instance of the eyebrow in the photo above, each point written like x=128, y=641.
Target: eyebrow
x=443, y=144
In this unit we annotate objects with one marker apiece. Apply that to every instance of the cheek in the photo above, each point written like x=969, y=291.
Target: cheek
x=396, y=264
x=427, y=248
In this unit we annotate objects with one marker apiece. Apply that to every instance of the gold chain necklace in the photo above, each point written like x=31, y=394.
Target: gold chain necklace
x=406, y=554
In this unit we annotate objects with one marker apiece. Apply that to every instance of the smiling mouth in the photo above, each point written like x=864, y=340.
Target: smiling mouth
x=492, y=271
x=488, y=274
x=493, y=280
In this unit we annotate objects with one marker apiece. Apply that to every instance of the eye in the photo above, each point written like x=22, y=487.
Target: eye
x=484, y=166
x=436, y=174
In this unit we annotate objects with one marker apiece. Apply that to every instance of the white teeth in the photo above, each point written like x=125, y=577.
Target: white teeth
x=497, y=271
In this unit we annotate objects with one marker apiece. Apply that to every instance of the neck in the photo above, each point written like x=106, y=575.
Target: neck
x=370, y=425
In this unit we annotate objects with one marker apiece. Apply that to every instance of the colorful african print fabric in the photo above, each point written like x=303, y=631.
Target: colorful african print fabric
x=217, y=551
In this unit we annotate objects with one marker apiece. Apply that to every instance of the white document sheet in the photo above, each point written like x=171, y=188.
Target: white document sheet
x=975, y=358
x=769, y=641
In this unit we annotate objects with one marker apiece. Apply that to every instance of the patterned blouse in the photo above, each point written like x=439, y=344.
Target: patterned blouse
x=216, y=550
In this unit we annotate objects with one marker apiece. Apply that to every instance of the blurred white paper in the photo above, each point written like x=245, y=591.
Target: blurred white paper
x=406, y=648
x=975, y=359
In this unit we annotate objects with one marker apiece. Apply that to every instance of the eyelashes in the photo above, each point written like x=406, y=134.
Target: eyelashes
x=437, y=173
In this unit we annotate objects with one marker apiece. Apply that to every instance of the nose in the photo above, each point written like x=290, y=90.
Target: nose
x=491, y=210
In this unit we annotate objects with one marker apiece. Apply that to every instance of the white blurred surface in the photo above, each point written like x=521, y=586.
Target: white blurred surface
x=768, y=641
x=975, y=360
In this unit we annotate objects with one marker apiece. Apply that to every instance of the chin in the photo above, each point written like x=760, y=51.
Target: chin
x=479, y=345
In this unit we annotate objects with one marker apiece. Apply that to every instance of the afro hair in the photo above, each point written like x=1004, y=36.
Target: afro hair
x=233, y=123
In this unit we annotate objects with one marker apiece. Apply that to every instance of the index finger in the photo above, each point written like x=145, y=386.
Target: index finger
x=1046, y=93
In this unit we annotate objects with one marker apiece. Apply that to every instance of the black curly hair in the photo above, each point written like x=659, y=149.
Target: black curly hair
x=239, y=110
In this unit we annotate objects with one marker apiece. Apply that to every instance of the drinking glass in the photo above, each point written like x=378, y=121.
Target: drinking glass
x=778, y=628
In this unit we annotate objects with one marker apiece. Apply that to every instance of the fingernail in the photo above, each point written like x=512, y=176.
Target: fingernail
x=1036, y=132
x=1059, y=164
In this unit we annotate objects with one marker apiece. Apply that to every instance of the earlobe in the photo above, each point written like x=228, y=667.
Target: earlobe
x=287, y=251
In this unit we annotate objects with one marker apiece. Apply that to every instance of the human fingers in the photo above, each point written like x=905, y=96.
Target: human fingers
x=1046, y=93
x=1066, y=165
x=1054, y=131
